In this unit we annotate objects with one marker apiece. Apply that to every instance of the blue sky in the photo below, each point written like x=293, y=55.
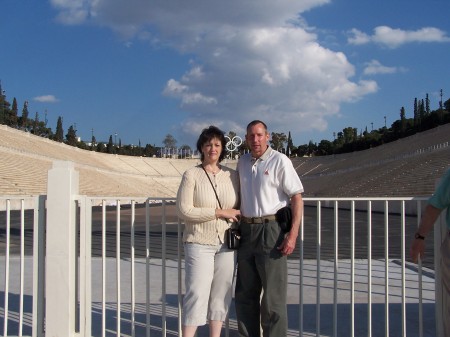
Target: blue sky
x=147, y=68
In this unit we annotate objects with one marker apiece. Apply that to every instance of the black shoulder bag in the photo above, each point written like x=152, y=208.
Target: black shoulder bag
x=232, y=235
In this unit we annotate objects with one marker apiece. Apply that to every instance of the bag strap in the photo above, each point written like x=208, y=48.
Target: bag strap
x=212, y=185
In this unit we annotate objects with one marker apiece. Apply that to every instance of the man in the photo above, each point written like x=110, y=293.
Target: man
x=268, y=182
x=436, y=204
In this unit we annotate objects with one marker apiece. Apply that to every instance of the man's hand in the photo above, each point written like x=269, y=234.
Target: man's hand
x=287, y=247
x=417, y=250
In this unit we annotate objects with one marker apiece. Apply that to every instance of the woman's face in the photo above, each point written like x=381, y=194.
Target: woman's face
x=212, y=149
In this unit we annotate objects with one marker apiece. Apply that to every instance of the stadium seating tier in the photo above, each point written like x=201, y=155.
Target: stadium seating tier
x=406, y=167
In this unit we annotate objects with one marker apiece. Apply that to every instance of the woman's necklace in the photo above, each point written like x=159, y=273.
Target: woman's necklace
x=211, y=170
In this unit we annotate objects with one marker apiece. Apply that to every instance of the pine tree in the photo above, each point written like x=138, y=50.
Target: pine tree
x=24, y=119
x=4, y=106
x=289, y=145
x=403, y=119
x=12, y=119
x=36, y=124
x=110, y=146
x=59, y=130
x=71, y=136
x=93, y=141
x=416, y=113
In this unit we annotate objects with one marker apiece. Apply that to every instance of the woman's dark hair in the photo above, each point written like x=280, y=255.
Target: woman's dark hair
x=208, y=134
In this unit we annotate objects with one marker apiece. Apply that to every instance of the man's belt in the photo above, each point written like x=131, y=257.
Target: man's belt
x=258, y=219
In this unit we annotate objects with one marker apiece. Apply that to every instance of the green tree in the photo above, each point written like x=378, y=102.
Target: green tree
x=302, y=150
x=231, y=134
x=93, y=142
x=289, y=145
x=402, y=120
x=416, y=113
x=36, y=124
x=350, y=135
x=100, y=147
x=278, y=140
x=170, y=144
x=24, y=118
x=447, y=105
x=71, y=136
x=312, y=148
x=325, y=148
x=3, y=105
x=59, y=135
x=12, y=118
x=149, y=150
x=110, y=145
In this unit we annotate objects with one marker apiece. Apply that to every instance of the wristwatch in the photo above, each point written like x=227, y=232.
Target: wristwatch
x=419, y=237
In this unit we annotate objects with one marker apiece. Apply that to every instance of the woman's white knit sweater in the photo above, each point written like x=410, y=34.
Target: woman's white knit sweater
x=197, y=203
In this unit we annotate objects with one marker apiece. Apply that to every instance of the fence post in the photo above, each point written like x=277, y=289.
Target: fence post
x=60, y=307
x=440, y=232
x=38, y=328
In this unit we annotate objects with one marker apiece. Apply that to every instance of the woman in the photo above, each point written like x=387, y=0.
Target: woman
x=209, y=264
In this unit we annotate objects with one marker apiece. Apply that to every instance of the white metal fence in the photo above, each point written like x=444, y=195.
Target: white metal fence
x=108, y=266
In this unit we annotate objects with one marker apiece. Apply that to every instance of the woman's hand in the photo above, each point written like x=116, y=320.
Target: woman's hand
x=228, y=214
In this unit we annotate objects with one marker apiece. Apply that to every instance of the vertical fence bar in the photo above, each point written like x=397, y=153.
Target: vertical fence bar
x=103, y=268
x=38, y=266
x=319, y=225
x=86, y=267
x=132, y=252
x=8, y=244
x=301, y=280
x=180, y=275
x=119, y=318
x=402, y=244
x=419, y=274
x=439, y=233
x=22, y=262
x=163, y=266
x=352, y=269
x=369, y=268
x=386, y=267
x=336, y=267
x=147, y=268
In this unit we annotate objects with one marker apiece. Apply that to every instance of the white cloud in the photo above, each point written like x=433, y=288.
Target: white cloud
x=46, y=99
x=254, y=59
x=357, y=37
x=72, y=12
x=374, y=67
x=394, y=37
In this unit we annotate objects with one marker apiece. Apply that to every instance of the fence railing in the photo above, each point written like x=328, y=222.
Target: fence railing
x=110, y=266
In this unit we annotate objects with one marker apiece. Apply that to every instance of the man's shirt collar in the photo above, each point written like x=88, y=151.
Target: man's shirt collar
x=265, y=155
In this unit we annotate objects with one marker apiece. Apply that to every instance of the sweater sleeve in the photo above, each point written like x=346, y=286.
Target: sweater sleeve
x=189, y=210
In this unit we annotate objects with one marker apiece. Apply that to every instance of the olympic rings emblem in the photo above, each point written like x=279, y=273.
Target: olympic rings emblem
x=233, y=144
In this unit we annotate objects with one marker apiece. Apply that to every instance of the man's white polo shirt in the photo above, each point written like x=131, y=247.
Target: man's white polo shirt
x=267, y=183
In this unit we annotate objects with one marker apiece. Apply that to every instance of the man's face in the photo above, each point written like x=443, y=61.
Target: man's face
x=257, y=139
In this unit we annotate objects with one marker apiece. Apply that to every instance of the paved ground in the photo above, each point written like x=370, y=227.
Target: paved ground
x=308, y=312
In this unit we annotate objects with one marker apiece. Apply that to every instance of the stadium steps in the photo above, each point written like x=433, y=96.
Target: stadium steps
x=22, y=175
x=407, y=167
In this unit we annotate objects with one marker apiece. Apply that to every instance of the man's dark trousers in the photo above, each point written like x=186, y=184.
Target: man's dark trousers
x=261, y=266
